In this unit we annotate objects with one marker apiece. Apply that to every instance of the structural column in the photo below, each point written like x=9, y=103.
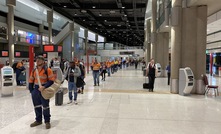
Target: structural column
x=201, y=48
x=87, y=47
x=41, y=31
x=176, y=42
x=96, y=41
x=50, y=21
x=10, y=20
x=162, y=53
x=148, y=44
x=153, y=29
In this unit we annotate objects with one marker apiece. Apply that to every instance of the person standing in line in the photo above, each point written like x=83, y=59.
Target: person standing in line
x=168, y=73
x=103, y=71
x=71, y=76
x=96, y=69
x=83, y=75
x=19, y=68
x=41, y=105
x=151, y=73
x=108, y=64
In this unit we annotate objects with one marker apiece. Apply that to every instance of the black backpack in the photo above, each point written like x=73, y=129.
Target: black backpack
x=14, y=66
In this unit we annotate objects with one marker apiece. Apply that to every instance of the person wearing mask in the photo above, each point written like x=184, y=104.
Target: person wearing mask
x=41, y=105
x=96, y=69
x=151, y=73
x=168, y=73
x=71, y=76
x=19, y=68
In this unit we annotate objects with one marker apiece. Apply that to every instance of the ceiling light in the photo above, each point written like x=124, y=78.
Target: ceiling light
x=125, y=15
x=166, y=26
x=93, y=6
x=118, y=25
x=105, y=20
x=100, y=14
x=75, y=14
x=83, y=11
x=83, y=20
x=65, y=6
x=90, y=24
x=109, y=25
x=123, y=7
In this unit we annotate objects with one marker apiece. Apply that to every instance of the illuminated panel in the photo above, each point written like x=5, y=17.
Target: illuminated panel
x=49, y=48
x=5, y=53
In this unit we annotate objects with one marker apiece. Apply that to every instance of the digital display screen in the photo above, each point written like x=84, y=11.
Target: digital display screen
x=59, y=48
x=189, y=72
x=4, y=53
x=17, y=54
x=7, y=71
x=48, y=48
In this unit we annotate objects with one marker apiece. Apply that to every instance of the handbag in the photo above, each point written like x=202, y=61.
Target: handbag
x=80, y=82
x=49, y=92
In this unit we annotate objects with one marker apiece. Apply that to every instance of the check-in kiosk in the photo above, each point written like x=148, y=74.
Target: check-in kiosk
x=159, y=70
x=7, y=79
x=186, y=81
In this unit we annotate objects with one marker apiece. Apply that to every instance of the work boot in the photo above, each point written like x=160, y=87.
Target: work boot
x=34, y=124
x=47, y=125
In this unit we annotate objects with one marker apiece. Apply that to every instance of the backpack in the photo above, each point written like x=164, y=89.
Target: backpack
x=82, y=69
x=14, y=66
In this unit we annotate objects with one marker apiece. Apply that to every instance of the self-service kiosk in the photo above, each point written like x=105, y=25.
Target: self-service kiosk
x=186, y=81
x=7, y=79
x=158, y=69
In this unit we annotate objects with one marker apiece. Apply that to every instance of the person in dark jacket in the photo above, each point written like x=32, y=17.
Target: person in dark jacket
x=151, y=73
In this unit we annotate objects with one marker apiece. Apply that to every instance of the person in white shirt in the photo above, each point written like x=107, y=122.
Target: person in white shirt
x=151, y=72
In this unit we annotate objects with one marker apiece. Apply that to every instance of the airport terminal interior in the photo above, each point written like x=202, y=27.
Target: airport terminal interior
x=157, y=62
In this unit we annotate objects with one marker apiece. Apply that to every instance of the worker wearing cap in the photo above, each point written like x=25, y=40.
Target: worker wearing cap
x=46, y=79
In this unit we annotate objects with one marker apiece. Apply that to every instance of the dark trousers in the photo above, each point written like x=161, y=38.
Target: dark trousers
x=103, y=74
x=151, y=81
x=39, y=103
x=18, y=72
x=168, y=75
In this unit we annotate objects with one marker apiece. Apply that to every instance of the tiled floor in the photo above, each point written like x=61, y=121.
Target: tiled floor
x=118, y=106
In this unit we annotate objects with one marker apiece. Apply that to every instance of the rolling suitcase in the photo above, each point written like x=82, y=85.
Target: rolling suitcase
x=145, y=84
x=59, y=98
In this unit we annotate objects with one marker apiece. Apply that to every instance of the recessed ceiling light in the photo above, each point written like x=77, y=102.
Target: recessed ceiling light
x=83, y=20
x=105, y=20
x=93, y=6
x=83, y=11
x=65, y=6
x=100, y=14
x=125, y=15
x=75, y=14
x=109, y=25
x=123, y=7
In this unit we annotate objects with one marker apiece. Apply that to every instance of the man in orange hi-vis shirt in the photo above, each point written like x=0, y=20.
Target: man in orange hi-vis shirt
x=47, y=79
x=96, y=71
x=108, y=64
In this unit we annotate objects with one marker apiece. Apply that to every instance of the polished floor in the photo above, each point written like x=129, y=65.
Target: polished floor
x=118, y=106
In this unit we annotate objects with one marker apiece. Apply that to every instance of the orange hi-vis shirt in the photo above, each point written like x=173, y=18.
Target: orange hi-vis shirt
x=108, y=64
x=19, y=65
x=96, y=66
x=42, y=76
x=112, y=63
